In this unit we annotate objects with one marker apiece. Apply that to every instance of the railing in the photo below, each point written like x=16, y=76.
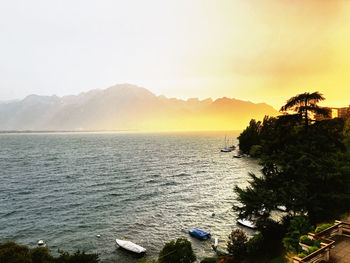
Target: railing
x=318, y=254
x=339, y=228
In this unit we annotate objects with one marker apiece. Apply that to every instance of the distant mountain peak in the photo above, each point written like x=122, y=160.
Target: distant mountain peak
x=128, y=107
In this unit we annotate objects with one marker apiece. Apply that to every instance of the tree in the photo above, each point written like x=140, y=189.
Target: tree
x=250, y=136
x=237, y=244
x=308, y=173
x=179, y=251
x=306, y=103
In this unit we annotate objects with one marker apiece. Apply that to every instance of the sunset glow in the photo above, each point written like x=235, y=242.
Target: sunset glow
x=258, y=50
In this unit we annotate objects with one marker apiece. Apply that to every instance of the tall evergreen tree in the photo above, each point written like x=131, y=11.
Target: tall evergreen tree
x=306, y=104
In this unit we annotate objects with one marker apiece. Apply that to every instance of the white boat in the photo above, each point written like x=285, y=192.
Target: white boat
x=41, y=243
x=247, y=223
x=226, y=148
x=128, y=245
x=282, y=208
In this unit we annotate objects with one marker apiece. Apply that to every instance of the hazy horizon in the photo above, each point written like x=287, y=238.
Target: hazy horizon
x=128, y=107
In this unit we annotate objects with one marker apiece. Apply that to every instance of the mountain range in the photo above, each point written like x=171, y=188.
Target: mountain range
x=127, y=107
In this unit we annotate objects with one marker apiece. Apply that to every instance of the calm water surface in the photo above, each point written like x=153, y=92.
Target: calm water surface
x=148, y=188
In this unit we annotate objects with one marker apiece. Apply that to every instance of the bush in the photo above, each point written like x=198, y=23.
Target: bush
x=306, y=240
x=302, y=254
x=310, y=242
x=312, y=249
x=11, y=252
x=237, y=244
x=77, y=257
x=298, y=226
x=41, y=255
x=308, y=252
x=255, y=245
x=322, y=227
x=179, y=251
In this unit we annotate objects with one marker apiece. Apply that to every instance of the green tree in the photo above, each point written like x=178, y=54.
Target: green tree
x=250, y=136
x=237, y=244
x=309, y=173
x=179, y=251
x=306, y=104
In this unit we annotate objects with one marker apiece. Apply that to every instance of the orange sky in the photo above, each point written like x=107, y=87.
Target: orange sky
x=258, y=50
x=270, y=50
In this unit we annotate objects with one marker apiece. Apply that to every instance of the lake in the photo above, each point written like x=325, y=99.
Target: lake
x=67, y=188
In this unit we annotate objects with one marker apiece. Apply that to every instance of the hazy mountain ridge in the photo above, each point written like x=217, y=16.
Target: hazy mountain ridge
x=127, y=107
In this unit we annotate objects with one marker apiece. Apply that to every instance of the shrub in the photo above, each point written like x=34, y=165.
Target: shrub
x=298, y=226
x=11, y=252
x=41, y=255
x=306, y=240
x=77, y=257
x=237, y=244
x=308, y=252
x=310, y=242
x=313, y=249
x=179, y=251
x=322, y=227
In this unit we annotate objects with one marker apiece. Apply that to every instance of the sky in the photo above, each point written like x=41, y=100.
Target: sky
x=257, y=50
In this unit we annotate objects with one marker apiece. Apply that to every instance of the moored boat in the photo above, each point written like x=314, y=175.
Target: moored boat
x=247, y=223
x=41, y=243
x=282, y=208
x=130, y=246
x=200, y=234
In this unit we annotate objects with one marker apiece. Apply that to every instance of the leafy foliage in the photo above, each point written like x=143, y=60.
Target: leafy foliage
x=237, y=244
x=298, y=227
x=322, y=227
x=179, y=251
x=250, y=136
x=77, y=257
x=306, y=103
x=11, y=252
x=306, y=171
x=41, y=255
x=310, y=242
x=308, y=252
